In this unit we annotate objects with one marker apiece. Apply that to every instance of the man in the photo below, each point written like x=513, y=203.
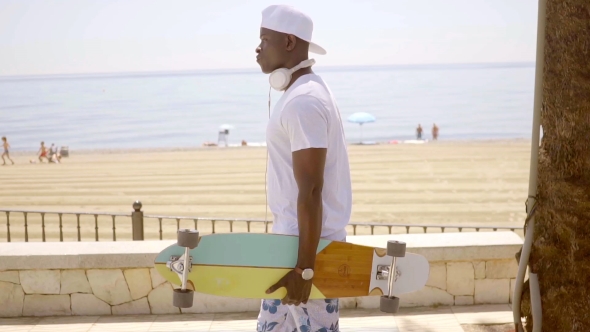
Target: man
x=309, y=187
x=53, y=154
x=43, y=153
x=434, y=132
x=6, y=152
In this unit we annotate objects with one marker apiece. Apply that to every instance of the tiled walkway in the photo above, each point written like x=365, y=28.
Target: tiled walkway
x=443, y=319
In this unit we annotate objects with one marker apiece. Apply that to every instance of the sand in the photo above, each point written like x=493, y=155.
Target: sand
x=438, y=183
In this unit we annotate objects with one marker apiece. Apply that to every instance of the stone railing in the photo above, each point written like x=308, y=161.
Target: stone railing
x=118, y=278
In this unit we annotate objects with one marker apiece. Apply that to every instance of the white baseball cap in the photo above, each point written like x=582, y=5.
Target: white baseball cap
x=286, y=19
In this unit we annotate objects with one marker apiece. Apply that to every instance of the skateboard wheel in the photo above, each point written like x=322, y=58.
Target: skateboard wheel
x=389, y=304
x=188, y=238
x=396, y=248
x=182, y=298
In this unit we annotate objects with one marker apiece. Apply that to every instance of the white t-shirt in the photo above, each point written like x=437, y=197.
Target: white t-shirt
x=306, y=116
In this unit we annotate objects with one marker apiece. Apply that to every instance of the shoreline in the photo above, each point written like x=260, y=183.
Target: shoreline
x=86, y=151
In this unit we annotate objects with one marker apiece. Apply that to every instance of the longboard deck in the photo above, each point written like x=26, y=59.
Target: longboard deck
x=244, y=265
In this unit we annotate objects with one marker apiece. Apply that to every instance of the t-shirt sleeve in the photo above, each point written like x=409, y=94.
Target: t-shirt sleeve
x=305, y=120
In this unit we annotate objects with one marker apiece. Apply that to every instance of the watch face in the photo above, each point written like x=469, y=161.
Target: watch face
x=307, y=274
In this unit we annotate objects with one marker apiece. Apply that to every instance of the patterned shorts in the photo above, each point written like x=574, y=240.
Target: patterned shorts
x=315, y=316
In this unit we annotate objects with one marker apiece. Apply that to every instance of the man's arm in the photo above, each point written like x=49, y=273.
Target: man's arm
x=308, y=169
x=304, y=120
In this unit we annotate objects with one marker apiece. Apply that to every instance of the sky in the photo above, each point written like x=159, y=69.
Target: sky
x=46, y=37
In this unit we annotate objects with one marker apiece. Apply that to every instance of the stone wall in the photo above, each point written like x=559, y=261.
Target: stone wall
x=52, y=279
x=465, y=268
x=461, y=283
x=133, y=291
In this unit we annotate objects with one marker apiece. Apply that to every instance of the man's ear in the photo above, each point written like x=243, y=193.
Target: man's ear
x=291, y=42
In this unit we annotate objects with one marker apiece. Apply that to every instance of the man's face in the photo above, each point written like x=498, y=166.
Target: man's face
x=272, y=50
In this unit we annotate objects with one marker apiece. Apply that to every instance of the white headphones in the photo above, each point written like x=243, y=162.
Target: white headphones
x=280, y=78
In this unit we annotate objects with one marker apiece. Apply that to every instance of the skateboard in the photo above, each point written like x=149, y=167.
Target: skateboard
x=244, y=265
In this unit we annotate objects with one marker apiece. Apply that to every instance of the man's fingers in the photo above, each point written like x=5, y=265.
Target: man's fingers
x=306, y=294
x=274, y=287
x=287, y=299
x=305, y=297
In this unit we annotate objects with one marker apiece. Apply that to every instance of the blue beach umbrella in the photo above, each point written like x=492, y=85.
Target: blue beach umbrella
x=361, y=118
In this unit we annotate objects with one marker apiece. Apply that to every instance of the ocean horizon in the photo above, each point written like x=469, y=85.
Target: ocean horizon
x=251, y=70
x=184, y=109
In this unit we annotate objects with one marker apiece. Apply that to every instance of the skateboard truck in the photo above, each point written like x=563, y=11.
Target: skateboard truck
x=189, y=239
x=383, y=272
x=176, y=264
x=395, y=249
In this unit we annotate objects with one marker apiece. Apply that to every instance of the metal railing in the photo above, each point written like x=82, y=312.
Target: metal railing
x=60, y=215
x=215, y=225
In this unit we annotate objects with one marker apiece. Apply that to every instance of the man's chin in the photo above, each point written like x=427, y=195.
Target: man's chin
x=264, y=70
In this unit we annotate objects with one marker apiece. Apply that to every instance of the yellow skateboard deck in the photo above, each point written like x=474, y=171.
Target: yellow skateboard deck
x=244, y=265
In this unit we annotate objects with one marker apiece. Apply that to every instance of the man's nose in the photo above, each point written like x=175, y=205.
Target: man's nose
x=258, y=49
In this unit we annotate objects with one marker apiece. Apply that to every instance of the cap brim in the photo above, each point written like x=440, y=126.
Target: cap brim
x=317, y=49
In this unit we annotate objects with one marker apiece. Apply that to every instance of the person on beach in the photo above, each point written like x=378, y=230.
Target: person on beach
x=434, y=132
x=42, y=153
x=6, y=147
x=222, y=137
x=419, y=132
x=53, y=154
x=309, y=186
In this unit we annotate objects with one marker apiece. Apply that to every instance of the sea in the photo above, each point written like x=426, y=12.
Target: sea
x=155, y=110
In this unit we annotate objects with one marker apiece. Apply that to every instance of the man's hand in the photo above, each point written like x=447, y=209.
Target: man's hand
x=298, y=289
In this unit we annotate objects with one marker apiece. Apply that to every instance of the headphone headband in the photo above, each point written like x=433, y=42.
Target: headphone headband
x=303, y=64
x=281, y=77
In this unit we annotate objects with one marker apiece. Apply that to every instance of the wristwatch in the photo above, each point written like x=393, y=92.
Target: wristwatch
x=306, y=274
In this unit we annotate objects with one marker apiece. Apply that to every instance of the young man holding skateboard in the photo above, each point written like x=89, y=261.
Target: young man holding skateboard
x=309, y=187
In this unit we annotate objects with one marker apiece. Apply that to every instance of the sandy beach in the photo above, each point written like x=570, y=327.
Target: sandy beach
x=441, y=183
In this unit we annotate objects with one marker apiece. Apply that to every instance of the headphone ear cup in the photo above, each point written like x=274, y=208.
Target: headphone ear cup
x=279, y=79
